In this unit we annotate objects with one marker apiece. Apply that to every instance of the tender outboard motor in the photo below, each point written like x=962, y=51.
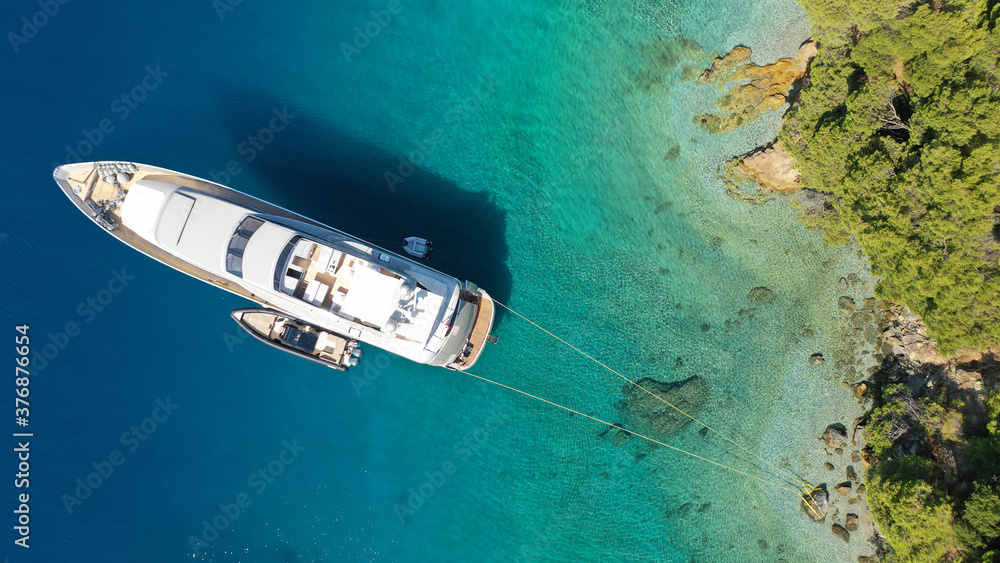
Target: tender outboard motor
x=419, y=247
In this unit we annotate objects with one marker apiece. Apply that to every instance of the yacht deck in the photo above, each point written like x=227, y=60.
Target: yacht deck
x=480, y=332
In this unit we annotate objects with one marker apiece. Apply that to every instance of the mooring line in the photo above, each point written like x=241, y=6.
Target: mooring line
x=653, y=440
x=661, y=399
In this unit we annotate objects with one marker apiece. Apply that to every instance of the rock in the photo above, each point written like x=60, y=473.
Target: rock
x=723, y=67
x=851, y=474
x=616, y=436
x=861, y=489
x=761, y=295
x=816, y=359
x=967, y=355
x=759, y=89
x=834, y=436
x=839, y=451
x=673, y=153
x=841, y=532
x=852, y=500
x=815, y=504
x=829, y=466
x=870, y=303
x=843, y=488
x=867, y=559
x=846, y=304
x=858, y=439
x=806, y=53
x=771, y=168
x=851, y=523
x=855, y=456
x=651, y=414
x=859, y=390
x=966, y=380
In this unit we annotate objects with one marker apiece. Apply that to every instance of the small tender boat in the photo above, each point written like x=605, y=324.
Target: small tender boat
x=419, y=247
x=298, y=337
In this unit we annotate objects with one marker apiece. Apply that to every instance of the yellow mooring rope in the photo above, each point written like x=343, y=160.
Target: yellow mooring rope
x=807, y=487
x=653, y=440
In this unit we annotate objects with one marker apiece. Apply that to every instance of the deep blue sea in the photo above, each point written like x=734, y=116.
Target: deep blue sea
x=530, y=142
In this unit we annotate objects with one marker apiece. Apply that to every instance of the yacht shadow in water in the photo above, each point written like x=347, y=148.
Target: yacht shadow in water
x=319, y=170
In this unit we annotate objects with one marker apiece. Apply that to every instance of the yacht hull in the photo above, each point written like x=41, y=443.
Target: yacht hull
x=101, y=190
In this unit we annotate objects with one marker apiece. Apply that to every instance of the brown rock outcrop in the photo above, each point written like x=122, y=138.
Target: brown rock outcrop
x=762, y=89
x=771, y=168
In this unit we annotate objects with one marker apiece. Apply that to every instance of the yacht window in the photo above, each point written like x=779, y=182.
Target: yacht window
x=238, y=243
x=282, y=263
x=234, y=265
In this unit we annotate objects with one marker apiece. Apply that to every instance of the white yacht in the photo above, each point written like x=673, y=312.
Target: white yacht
x=317, y=275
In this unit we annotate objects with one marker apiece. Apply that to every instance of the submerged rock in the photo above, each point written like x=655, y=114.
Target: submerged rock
x=616, y=435
x=673, y=153
x=841, y=532
x=816, y=504
x=761, y=294
x=650, y=414
x=816, y=359
x=846, y=304
x=851, y=474
x=834, y=436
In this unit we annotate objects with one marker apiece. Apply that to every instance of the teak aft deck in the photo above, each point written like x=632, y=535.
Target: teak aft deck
x=480, y=333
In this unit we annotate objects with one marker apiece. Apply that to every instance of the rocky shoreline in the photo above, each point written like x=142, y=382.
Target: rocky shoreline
x=885, y=349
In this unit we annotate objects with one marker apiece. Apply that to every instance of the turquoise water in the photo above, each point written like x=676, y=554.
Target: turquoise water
x=540, y=137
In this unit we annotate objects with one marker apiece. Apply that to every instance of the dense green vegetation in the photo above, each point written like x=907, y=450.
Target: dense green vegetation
x=927, y=507
x=901, y=125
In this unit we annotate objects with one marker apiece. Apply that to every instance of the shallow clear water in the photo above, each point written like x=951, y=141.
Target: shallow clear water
x=540, y=135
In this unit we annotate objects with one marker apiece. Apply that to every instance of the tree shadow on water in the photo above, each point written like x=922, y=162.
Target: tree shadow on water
x=322, y=172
